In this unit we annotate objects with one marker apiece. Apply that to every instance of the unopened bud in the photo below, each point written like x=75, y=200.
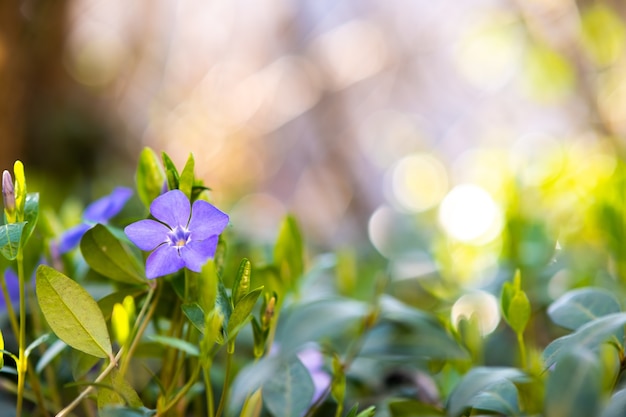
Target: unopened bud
x=269, y=312
x=20, y=189
x=8, y=196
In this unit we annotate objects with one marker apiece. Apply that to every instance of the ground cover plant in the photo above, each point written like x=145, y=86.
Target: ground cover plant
x=168, y=311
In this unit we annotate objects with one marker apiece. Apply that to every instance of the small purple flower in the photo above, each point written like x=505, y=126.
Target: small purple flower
x=313, y=361
x=100, y=211
x=183, y=236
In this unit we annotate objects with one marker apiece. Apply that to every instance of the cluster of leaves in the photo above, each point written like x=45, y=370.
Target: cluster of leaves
x=230, y=339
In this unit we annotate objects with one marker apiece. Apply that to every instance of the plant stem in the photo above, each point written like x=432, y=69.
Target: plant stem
x=206, y=371
x=22, y=365
x=180, y=394
x=220, y=407
x=112, y=365
x=522, y=349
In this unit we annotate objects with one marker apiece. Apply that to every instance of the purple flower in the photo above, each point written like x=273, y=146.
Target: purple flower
x=183, y=236
x=313, y=361
x=100, y=211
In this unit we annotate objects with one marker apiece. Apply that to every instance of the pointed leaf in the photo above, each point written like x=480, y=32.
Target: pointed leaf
x=289, y=252
x=106, y=255
x=71, y=313
x=116, y=390
x=241, y=312
x=31, y=215
x=179, y=344
x=583, y=305
x=241, y=286
x=170, y=171
x=150, y=177
x=412, y=408
x=187, y=177
x=10, y=235
x=290, y=391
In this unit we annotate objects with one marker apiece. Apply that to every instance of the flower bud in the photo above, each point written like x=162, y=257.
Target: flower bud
x=8, y=196
x=20, y=189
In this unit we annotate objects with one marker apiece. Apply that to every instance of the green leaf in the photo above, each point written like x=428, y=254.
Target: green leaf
x=179, y=344
x=500, y=397
x=71, y=313
x=119, y=411
x=241, y=286
x=31, y=215
x=590, y=335
x=477, y=380
x=519, y=312
x=581, y=306
x=369, y=412
x=412, y=408
x=207, y=286
x=290, y=391
x=573, y=388
x=289, y=252
x=50, y=354
x=170, y=171
x=195, y=314
x=616, y=406
x=10, y=235
x=241, y=312
x=508, y=291
x=186, y=179
x=338, y=382
x=223, y=307
x=150, y=177
x=115, y=390
x=313, y=321
x=108, y=256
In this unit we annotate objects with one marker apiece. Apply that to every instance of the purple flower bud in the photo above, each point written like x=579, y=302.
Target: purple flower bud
x=8, y=195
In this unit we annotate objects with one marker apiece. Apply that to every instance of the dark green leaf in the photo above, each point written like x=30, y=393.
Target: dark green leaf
x=241, y=312
x=71, y=313
x=195, y=314
x=573, y=388
x=476, y=381
x=508, y=291
x=150, y=177
x=108, y=256
x=31, y=215
x=500, y=397
x=590, y=335
x=583, y=305
x=10, y=235
x=290, y=391
x=118, y=411
x=171, y=172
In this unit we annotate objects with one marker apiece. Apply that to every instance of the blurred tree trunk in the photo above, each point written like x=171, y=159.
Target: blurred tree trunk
x=32, y=34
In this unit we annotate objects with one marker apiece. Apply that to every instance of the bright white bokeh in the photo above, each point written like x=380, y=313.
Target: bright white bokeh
x=481, y=305
x=469, y=214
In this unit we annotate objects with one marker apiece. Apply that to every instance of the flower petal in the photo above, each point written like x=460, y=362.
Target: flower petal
x=163, y=261
x=147, y=234
x=197, y=252
x=105, y=208
x=172, y=208
x=206, y=221
x=71, y=238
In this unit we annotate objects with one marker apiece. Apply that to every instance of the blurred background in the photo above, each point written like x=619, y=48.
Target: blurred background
x=376, y=123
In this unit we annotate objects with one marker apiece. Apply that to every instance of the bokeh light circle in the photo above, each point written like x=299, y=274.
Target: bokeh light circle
x=480, y=304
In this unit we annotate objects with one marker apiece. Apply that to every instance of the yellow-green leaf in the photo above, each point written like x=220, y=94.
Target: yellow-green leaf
x=72, y=314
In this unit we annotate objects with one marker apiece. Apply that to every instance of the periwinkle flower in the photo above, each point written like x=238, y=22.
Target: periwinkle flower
x=183, y=236
x=100, y=211
x=313, y=361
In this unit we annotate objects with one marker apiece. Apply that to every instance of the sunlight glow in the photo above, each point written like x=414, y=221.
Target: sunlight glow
x=469, y=214
x=480, y=304
x=418, y=182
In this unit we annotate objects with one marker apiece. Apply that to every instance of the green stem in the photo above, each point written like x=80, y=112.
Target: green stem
x=180, y=394
x=220, y=407
x=22, y=365
x=522, y=349
x=208, y=389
